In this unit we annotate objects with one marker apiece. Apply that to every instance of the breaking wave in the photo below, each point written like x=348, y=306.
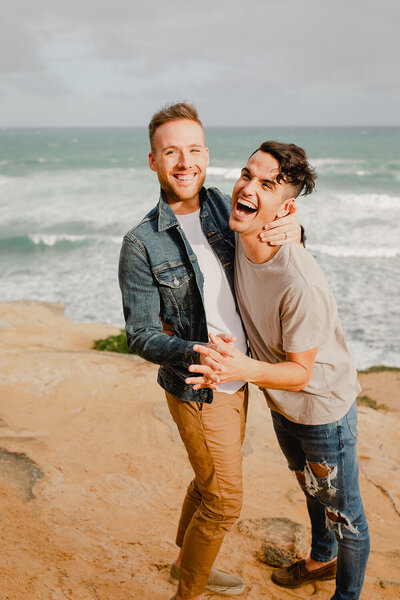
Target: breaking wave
x=351, y=252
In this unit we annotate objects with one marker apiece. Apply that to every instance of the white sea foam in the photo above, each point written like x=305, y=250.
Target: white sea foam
x=370, y=200
x=51, y=239
x=351, y=252
x=5, y=180
x=224, y=172
x=48, y=239
x=328, y=162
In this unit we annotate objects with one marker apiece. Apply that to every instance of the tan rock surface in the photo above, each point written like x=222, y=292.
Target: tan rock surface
x=92, y=473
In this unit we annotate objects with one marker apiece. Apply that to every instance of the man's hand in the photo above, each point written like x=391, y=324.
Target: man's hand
x=220, y=362
x=282, y=231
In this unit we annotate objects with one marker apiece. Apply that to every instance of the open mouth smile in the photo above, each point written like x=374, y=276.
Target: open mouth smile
x=244, y=208
x=185, y=177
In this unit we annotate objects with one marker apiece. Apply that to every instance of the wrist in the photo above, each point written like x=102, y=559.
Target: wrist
x=251, y=370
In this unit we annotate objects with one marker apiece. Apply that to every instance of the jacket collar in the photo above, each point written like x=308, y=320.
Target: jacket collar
x=166, y=216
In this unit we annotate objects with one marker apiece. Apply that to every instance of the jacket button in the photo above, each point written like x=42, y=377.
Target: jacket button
x=203, y=396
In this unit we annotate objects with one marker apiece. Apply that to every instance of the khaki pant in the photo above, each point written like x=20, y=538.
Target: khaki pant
x=213, y=435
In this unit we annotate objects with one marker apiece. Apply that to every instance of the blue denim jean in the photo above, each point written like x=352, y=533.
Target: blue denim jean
x=324, y=458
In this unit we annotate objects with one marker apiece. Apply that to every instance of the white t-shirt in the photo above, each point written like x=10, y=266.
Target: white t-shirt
x=219, y=303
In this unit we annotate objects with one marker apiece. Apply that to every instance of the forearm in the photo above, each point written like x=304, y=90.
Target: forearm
x=160, y=348
x=287, y=375
x=221, y=362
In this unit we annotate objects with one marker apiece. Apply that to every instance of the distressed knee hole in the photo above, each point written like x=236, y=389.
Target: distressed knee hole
x=333, y=517
x=321, y=470
x=336, y=520
x=319, y=477
x=301, y=477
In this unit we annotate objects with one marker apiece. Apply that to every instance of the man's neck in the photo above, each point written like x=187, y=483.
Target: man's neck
x=184, y=207
x=257, y=251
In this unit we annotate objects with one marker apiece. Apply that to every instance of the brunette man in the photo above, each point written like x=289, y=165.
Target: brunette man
x=302, y=363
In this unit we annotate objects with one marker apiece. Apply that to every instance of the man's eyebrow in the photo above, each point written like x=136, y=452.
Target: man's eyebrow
x=269, y=181
x=172, y=147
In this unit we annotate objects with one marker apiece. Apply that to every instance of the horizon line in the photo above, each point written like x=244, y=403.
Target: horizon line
x=362, y=126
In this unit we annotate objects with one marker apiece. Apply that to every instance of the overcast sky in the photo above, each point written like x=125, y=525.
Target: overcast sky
x=247, y=62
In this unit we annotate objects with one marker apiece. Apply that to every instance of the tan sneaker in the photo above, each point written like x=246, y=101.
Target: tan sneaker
x=297, y=574
x=219, y=582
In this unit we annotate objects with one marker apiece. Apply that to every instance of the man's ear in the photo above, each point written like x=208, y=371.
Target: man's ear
x=152, y=162
x=285, y=207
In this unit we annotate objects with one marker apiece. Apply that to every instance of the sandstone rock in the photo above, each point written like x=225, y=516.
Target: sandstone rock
x=283, y=539
x=18, y=468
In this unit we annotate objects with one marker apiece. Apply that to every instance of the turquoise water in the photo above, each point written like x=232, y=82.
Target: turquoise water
x=68, y=195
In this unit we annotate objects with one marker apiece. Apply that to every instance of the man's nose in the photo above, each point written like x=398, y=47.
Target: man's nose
x=249, y=188
x=184, y=159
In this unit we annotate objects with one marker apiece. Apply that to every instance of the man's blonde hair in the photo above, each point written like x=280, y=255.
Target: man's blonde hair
x=172, y=112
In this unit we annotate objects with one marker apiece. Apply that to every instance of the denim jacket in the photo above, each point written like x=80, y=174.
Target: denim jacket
x=159, y=276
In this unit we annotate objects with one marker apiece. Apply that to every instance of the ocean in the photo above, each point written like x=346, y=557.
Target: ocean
x=67, y=196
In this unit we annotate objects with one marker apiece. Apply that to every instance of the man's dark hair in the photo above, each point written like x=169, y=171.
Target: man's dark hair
x=172, y=112
x=294, y=166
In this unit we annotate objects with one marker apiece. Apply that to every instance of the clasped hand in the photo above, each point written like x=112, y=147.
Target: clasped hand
x=220, y=362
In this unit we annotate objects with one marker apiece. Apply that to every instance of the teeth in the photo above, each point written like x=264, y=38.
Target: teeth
x=246, y=203
x=185, y=177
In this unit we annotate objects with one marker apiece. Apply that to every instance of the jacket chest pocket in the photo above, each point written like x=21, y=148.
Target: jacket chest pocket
x=174, y=283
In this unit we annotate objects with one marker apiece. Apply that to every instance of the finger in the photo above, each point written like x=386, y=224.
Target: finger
x=227, y=338
x=282, y=240
x=216, y=366
x=218, y=352
x=221, y=346
x=207, y=352
x=203, y=386
x=283, y=222
x=205, y=370
x=291, y=233
x=279, y=238
x=196, y=380
x=206, y=381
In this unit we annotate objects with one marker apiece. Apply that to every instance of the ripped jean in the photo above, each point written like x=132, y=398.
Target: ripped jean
x=324, y=460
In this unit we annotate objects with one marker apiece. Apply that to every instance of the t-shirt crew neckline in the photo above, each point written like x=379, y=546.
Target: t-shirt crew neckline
x=279, y=256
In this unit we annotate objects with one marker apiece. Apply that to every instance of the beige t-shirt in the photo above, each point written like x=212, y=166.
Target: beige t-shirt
x=287, y=306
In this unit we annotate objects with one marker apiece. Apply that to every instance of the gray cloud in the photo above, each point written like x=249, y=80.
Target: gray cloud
x=309, y=60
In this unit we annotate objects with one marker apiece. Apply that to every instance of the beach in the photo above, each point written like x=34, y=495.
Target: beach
x=93, y=472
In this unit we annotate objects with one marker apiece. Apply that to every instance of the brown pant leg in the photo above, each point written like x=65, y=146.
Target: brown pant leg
x=212, y=435
x=193, y=495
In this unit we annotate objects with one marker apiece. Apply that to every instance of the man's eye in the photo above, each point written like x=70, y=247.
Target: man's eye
x=245, y=176
x=170, y=152
x=195, y=150
x=266, y=186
